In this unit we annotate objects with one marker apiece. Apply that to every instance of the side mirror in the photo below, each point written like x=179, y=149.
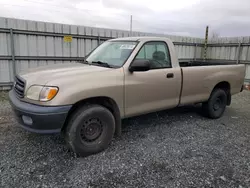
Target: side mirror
x=139, y=65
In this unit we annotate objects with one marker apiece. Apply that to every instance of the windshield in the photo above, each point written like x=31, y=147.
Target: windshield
x=113, y=53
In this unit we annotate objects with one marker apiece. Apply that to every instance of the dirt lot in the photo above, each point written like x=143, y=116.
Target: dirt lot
x=176, y=148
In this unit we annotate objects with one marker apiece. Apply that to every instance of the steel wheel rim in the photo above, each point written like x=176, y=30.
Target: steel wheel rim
x=218, y=104
x=91, y=130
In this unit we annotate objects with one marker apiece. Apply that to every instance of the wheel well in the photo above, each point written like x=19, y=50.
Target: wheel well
x=107, y=102
x=227, y=88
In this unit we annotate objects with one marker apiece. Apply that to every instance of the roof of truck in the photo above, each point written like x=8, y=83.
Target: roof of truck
x=143, y=38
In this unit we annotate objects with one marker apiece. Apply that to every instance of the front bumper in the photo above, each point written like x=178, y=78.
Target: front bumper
x=39, y=119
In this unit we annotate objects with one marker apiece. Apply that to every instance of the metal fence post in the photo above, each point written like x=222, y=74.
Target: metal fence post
x=12, y=45
x=98, y=40
x=238, y=53
x=195, y=51
x=205, y=45
x=131, y=23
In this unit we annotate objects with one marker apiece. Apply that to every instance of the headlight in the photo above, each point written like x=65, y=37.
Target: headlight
x=41, y=93
x=34, y=92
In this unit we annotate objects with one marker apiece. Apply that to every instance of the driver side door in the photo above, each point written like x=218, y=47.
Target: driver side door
x=155, y=89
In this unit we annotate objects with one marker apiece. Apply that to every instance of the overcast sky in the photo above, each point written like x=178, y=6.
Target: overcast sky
x=177, y=17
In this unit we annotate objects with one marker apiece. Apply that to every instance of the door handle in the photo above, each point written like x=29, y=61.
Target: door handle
x=170, y=75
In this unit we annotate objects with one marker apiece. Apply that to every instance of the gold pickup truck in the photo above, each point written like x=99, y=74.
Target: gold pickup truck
x=121, y=78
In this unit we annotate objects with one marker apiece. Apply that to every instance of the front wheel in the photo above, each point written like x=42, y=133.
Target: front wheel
x=216, y=105
x=90, y=130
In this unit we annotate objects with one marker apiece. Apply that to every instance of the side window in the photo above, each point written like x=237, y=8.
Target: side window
x=141, y=54
x=157, y=53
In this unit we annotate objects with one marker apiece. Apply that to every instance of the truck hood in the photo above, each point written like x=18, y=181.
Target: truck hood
x=43, y=75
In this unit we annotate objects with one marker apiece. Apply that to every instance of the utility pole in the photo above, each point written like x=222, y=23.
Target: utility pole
x=205, y=44
x=131, y=24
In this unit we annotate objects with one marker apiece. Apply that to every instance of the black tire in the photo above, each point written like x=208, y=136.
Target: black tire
x=90, y=130
x=216, y=104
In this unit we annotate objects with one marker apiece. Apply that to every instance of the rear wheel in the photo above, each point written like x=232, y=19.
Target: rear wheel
x=216, y=105
x=90, y=130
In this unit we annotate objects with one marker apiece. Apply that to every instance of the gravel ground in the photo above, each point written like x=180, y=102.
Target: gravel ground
x=176, y=148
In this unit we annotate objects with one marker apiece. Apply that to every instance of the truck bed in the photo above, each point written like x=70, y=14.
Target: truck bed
x=200, y=77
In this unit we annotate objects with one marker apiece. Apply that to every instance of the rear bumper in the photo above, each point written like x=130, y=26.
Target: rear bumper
x=38, y=119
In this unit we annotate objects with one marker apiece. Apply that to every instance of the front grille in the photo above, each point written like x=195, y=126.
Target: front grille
x=19, y=86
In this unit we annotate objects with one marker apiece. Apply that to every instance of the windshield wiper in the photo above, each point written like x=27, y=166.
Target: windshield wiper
x=104, y=64
x=84, y=61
